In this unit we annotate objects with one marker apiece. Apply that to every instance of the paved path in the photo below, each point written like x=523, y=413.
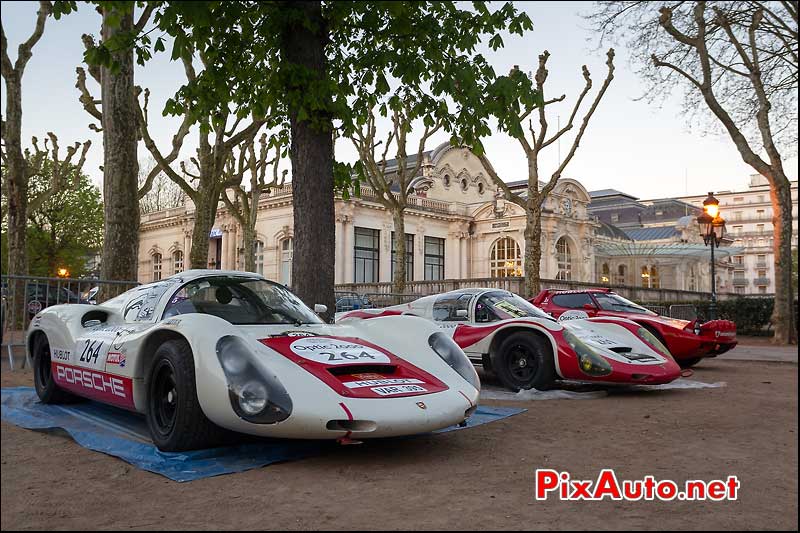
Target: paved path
x=786, y=354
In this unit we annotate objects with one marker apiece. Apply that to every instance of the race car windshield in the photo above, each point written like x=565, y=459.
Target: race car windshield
x=615, y=302
x=501, y=305
x=241, y=301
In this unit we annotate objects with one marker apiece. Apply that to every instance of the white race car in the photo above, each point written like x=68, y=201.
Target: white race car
x=207, y=351
x=527, y=348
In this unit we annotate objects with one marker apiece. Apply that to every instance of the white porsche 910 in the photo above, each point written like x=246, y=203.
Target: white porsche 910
x=527, y=348
x=207, y=351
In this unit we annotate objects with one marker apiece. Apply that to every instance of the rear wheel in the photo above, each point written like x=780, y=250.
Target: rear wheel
x=524, y=361
x=174, y=415
x=45, y=385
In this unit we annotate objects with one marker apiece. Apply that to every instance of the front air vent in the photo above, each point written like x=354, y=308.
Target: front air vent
x=620, y=349
x=344, y=370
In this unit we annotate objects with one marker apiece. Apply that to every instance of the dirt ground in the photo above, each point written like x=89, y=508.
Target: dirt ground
x=481, y=478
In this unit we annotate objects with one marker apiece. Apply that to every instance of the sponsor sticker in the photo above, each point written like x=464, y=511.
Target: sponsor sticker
x=60, y=354
x=336, y=352
x=398, y=389
x=382, y=382
x=116, y=358
x=573, y=315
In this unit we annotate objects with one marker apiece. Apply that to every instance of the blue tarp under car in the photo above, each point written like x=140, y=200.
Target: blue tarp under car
x=125, y=435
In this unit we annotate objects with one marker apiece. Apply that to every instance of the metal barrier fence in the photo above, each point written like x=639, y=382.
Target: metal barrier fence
x=24, y=296
x=683, y=311
x=418, y=289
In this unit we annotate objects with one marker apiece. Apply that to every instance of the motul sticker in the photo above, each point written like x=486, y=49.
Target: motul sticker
x=115, y=358
x=336, y=352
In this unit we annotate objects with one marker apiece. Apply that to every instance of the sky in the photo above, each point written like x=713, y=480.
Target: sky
x=640, y=148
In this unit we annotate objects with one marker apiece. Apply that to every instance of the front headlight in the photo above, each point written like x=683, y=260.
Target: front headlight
x=647, y=336
x=454, y=356
x=590, y=363
x=256, y=396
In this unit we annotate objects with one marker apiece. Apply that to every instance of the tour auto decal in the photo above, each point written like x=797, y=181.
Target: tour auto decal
x=340, y=362
x=107, y=388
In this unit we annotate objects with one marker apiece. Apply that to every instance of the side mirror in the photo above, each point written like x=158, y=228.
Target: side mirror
x=320, y=308
x=589, y=307
x=461, y=313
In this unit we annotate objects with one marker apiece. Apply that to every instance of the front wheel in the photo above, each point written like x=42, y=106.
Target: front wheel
x=174, y=416
x=524, y=361
x=43, y=381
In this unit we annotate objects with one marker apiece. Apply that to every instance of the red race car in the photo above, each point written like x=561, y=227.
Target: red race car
x=688, y=341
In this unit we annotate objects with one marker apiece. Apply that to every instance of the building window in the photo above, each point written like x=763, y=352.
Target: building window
x=738, y=199
x=564, y=259
x=739, y=290
x=737, y=230
x=156, y=267
x=505, y=259
x=409, y=257
x=650, y=279
x=259, y=251
x=762, y=273
x=760, y=228
x=434, y=258
x=367, y=255
x=287, y=250
x=738, y=260
x=605, y=275
x=621, y=275
x=177, y=262
x=692, y=279
x=762, y=289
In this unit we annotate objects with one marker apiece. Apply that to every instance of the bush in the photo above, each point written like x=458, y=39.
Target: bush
x=751, y=315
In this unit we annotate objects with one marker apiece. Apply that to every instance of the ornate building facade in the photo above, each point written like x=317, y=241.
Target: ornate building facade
x=457, y=226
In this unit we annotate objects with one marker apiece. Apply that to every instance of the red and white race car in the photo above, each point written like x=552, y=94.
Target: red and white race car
x=688, y=341
x=527, y=348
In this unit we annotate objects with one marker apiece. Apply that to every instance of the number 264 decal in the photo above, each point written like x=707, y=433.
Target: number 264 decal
x=91, y=351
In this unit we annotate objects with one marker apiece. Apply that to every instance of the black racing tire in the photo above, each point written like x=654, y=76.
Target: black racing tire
x=174, y=416
x=46, y=388
x=524, y=360
x=486, y=363
x=688, y=363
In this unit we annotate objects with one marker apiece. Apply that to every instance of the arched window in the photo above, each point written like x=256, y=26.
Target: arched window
x=655, y=280
x=259, y=246
x=156, y=259
x=621, y=271
x=505, y=259
x=605, y=274
x=564, y=259
x=650, y=279
x=177, y=261
x=287, y=246
x=692, y=279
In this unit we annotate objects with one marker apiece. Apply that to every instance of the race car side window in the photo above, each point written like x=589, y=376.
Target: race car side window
x=574, y=300
x=446, y=307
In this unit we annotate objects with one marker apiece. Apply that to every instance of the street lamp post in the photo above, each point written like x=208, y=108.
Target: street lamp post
x=712, y=229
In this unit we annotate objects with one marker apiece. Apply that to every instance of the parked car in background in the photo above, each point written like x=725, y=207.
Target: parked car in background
x=350, y=301
x=688, y=341
x=527, y=348
x=40, y=296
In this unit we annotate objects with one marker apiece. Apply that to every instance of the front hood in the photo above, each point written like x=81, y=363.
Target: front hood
x=672, y=322
x=614, y=342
